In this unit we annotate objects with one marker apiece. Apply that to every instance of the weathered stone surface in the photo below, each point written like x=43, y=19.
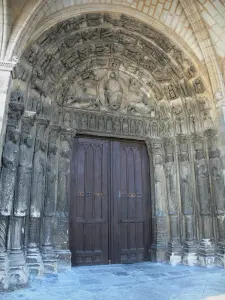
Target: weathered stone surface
x=108, y=75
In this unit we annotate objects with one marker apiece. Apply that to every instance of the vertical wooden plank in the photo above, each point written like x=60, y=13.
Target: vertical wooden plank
x=90, y=211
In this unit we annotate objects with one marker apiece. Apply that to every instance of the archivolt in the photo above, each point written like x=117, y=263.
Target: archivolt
x=72, y=50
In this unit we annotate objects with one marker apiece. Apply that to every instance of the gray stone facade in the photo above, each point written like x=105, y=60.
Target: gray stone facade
x=108, y=75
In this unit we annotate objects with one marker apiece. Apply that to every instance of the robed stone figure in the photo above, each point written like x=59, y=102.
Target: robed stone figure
x=38, y=180
x=10, y=159
x=160, y=186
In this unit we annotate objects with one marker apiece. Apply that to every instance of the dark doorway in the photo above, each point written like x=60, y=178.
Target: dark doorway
x=110, y=210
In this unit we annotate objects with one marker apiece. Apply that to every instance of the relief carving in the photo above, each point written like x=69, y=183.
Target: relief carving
x=137, y=100
x=113, y=92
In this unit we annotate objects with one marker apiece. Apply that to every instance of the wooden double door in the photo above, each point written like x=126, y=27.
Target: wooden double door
x=110, y=209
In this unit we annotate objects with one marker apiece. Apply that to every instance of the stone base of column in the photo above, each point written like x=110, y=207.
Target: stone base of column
x=174, y=254
x=64, y=259
x=158, y=253
x=190, y=256
x=4, y=271
x=19, y=273
x=49, y=260
x=34, y=260
x=220, y=254
x=206, y=253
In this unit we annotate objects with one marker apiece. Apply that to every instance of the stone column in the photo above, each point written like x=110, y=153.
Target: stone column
x=218, y=193
x=187, y=201
x=159, y=200
x=206, y=250
x=174, y=245
x=34, y=259
x=4, y=261
x=18, y=267
x=48, y=253
x=61, y=231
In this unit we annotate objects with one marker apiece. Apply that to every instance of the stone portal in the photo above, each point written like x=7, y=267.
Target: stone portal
x=108, y=75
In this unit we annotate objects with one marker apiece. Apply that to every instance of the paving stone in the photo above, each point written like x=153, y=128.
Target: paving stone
x=145, y=281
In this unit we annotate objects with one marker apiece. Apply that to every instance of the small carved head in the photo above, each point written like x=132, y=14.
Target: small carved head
x=199, y=154
x=65, y=152
x=43, y=146
x=28, y=141
x=214, y=153
x=52, y=149
x=158, y=159
x=14, y=136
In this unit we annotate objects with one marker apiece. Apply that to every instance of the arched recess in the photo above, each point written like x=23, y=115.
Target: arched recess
x=109, y=74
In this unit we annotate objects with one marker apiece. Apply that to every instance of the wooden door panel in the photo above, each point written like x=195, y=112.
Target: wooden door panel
x=132, y=201
x=89, y=202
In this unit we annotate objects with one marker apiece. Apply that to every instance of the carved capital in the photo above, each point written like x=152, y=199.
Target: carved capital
x=155, y=146
x=28, y=121
x=198, y=144
x=183, y=148
x=54, y=134
x=42, y=129
x=212, y=141
x=169, y=148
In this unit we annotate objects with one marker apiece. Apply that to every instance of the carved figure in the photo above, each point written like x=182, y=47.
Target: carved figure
x=64, y=178
x=171, y=92
x=17, y=95
x=160, y=186
x=217, y=183
x=186, y=187
x=8, y=175
x=137, y=100
x=84, y=94
x=171, y=183
x=24, y=176
x=38, y=179
x=109, y=125
x=101, y=123
x=202, y=180
x=198, y=86
x=51, y=177
x=113, y=92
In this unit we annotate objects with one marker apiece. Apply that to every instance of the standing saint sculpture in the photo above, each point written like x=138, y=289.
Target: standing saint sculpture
x=10, y=159
x=160, y=186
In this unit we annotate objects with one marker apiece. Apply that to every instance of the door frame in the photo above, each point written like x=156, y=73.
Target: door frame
x=111, y=206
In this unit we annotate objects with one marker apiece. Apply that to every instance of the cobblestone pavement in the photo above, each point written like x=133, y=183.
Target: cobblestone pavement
x=144, y=281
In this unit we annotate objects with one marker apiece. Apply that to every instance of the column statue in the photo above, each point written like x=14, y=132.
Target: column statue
x=206, y=251
x=48, y=253
x=10, y=159
x=63, y=199
x=34, y=259
x=160, y=213
x=218, y=192
x=174, y=245
x=187, y=201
